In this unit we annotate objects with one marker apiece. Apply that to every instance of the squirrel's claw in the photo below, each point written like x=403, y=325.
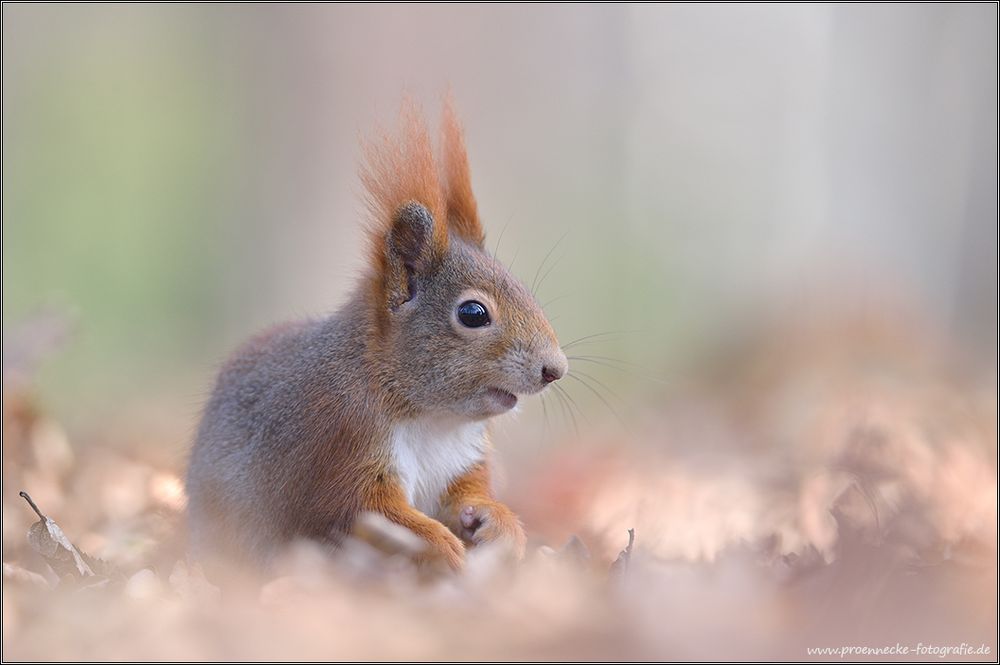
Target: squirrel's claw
x=493, y=522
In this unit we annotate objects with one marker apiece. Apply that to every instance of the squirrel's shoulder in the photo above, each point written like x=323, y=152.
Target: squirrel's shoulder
x=271, y=345
x=339, y=334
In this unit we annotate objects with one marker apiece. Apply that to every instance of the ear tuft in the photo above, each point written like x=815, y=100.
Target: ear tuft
x=399, y=169
x=406, y=203
x=463, y=214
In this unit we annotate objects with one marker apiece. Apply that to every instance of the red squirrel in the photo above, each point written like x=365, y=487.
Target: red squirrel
x=385, y=405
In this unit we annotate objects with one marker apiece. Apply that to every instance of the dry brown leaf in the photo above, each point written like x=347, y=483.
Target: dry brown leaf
x=62, y=556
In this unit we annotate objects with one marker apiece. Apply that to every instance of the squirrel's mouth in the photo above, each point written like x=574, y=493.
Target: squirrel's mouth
x=506, y=400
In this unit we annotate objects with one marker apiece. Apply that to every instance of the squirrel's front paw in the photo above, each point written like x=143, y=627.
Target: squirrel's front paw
x=492, y=522
x=443, y=547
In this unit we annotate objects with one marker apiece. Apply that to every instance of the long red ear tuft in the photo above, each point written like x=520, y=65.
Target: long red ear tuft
x=463, y=215
x=401, y=169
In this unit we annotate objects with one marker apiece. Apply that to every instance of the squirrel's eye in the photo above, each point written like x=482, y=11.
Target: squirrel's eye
x=473, y=314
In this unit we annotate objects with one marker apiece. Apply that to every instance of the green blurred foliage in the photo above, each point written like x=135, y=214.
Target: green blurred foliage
x=113, y=191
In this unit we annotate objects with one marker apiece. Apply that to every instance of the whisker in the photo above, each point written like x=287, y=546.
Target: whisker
x=545, y=412
x=590, y=377
x=562, y=407
x=540, y=265
x=571, y=403
x=510, y=266
x=496, y=248
x=576, y=405
x=556, y=299
x=621, y=366
x=600, y=397
x=606, y=362
x=594, y=341
x=595, y=336
x=551, y=268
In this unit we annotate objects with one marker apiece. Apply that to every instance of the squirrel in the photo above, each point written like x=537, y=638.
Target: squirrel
x=385, y=405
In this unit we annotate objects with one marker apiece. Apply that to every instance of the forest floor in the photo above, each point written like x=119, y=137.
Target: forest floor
x=820, y=487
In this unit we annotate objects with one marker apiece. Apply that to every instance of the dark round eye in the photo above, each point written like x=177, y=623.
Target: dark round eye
x=473, y=314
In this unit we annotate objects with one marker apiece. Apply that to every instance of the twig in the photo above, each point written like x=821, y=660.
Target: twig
x=24, y=495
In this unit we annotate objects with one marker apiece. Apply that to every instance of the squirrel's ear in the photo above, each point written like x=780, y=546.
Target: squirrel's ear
x=409, y=228
x=410, y=251
x=463, y=215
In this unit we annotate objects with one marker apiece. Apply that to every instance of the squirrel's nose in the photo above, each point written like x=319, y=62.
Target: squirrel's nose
x=554, y=369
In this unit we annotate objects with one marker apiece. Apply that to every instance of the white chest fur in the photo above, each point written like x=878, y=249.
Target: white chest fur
x=429, y=453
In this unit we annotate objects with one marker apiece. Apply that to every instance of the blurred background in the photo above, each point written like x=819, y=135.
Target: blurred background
x=786, y=216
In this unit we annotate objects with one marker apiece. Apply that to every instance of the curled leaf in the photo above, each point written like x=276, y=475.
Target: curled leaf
x=62, y=556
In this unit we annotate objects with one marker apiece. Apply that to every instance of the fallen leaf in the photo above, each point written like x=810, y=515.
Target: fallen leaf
x=619, y=568
x=62, y=556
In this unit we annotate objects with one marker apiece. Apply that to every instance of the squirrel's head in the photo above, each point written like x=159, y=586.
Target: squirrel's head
x=457, y=333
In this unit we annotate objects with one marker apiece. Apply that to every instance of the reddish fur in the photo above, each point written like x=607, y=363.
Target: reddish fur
x=500, y=524
x=385, y=496
x=398, y=170
x=402, y=168
x=463, y=214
